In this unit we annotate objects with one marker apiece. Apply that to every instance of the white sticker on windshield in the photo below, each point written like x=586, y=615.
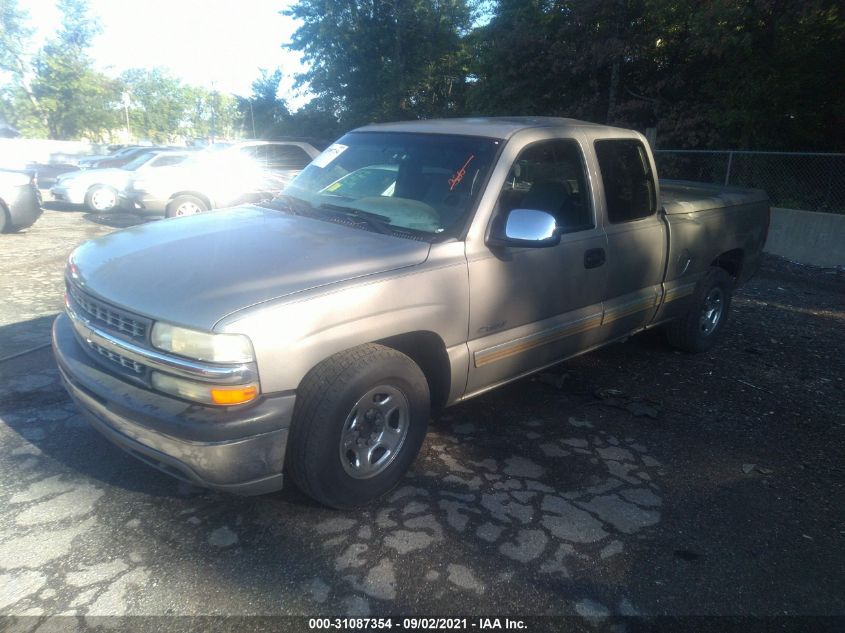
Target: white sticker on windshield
x=329, y=154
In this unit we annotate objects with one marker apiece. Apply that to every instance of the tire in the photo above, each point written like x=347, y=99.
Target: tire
x=700, y=328
x=371, y=391
x=5, y=220
x=101, y=198
x=185, y=205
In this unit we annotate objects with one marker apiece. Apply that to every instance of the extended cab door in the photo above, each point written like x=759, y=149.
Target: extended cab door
x=636, y=235
x=530, y=307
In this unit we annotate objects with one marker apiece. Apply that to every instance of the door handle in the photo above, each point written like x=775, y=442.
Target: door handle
x=594, y=258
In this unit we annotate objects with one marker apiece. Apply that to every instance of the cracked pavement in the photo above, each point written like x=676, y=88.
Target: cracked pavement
x=539, y=498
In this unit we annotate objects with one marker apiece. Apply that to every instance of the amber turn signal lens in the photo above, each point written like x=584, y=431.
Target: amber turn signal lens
x=233, y=395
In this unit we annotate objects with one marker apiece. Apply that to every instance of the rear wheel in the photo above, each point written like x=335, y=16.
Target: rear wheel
x=101, y=198
x=359, y=421
x=5, y=222
x=185, y=205
x=699, y=329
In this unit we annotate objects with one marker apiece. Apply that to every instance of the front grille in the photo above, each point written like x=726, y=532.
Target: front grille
x=105, y=315
x=126, y=363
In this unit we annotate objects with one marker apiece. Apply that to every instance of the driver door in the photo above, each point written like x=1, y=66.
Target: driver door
x=530, y=307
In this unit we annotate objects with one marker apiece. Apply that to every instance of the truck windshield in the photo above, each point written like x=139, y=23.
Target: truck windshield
x=424, y=184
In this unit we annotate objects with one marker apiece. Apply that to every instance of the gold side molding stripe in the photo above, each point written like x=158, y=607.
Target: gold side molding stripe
x=679, y=292
x=630, y=308
x=549, y=335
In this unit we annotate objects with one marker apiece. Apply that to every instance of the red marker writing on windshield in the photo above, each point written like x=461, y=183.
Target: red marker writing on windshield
x=455, y=180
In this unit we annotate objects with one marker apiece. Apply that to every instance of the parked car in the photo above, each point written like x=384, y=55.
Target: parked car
x=98, y=189
x=20, y=200
x=220, y=176
x=132, y=154
x=313, y=338
x=89, y=162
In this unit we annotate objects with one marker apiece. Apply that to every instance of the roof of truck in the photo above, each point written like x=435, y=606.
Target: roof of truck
x=490, y=127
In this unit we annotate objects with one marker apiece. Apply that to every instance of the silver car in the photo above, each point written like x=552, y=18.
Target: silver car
x=220, y=176
x=98, y=189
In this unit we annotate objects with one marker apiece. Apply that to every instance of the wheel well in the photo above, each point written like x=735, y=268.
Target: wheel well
x=730, y=262
x=195, y=194
x=428, y=351
x=5, y=213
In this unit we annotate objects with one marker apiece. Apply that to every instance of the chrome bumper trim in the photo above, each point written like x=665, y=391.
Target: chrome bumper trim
x=241, y=373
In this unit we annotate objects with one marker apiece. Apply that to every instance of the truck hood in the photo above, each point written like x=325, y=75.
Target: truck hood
x=194, y=271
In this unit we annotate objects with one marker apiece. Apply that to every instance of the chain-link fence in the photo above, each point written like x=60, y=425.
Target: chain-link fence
x=808, y=181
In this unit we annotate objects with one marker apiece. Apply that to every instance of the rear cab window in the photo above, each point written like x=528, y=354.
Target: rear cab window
x=629, y=187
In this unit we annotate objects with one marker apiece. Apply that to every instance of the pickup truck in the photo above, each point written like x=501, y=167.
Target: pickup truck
x=409, y=267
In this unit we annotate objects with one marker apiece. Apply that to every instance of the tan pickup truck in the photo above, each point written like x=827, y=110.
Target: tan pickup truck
x=409, y=267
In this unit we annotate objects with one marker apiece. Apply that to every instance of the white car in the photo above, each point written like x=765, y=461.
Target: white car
x=98, y=189
x=220, y=176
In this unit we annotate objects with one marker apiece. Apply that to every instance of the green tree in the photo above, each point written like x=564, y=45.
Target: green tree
x=17, y=103
x=159, y=104
x=15, y=35
x=378, y=59
x=74, y=100
x=314, y=120
x=263, y=113
x=726, y=73
x=56, y=93
x=163, y=109
x=213, y=115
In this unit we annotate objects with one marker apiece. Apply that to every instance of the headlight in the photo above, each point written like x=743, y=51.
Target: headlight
x=217, y=348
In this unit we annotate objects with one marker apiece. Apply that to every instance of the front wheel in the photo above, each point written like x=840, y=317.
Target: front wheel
x=359, y=421
x=101, y=198
x=699, y=329
x=185, y=205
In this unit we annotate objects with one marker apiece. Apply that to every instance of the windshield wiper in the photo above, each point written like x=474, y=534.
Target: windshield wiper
x=284, y=202
x=375, y=221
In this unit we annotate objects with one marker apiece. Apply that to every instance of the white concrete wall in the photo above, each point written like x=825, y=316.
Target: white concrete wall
x=17, y=153
x=807, y=237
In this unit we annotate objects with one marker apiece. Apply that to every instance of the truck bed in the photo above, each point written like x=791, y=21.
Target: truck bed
x=710, y=225
x=682, y=196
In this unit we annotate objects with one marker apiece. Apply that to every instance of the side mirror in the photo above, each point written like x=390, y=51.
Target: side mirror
x=525, y=228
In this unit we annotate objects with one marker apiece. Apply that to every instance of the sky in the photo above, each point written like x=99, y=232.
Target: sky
x=218, y=44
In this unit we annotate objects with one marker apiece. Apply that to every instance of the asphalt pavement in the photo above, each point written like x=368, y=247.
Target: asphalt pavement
x=633, y=481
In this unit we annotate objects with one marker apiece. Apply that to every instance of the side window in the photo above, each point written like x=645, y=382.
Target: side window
x=287, y=157
x=166, y=161
x=256, y=153
x=550, y=176
x=628, y=181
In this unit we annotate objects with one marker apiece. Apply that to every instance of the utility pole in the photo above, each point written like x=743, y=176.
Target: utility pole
x=126, y=112
x=213, y=112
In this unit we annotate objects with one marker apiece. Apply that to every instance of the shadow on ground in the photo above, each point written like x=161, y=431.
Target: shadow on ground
x=717, y=494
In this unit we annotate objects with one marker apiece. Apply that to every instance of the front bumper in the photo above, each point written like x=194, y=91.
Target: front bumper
x=232, y=449
x=73, y=195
